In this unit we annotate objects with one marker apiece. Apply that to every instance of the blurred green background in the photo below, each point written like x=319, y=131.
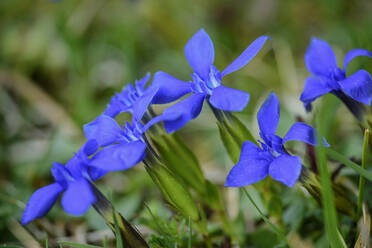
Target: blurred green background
x=60, y=62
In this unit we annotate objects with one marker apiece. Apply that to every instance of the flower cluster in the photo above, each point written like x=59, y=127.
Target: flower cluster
x=112, y=147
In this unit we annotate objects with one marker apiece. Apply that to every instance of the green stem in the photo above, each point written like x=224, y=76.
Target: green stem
x=361, y=179
x=329, y=210
x=190, y=234
x=275, y=229
x=343, y=159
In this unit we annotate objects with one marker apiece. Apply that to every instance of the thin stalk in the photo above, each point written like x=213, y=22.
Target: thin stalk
x=361, y=179
x=328, y=201
x=343, y=159
x=190, y=234
x=273, y=227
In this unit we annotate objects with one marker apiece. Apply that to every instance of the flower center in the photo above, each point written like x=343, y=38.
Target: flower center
x=133, y=132
x=130, y=95
x=206, y=86
x=337, y=74
x=273, y=144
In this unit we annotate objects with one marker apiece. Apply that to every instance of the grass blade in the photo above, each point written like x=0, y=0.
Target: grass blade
x=119, y=238
x=275, y=229
x=77, y=245
x=361, y=179
x=347, y=162
x=190, y=234
x=329, y=210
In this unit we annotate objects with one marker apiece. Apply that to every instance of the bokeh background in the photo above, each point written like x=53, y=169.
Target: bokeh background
x=61, y=61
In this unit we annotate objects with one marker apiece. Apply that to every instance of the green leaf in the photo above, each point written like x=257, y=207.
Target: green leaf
x=180, y=160
x=173, y=190
x=190, y=235
x=231, y=146
x=329, y=211
x=77, y=245
x=119, y=238
x=343, y=159
x=361, y=179
x=233, y=134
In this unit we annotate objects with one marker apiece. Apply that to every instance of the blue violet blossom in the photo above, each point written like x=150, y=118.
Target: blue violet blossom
x=321, y=61
x=134, y=99
x=256, y=163
x=122, y=147
x=205, y=84
x=73, y=179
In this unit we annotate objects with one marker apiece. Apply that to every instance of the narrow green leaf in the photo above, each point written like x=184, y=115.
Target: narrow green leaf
x=231, y=146
x=329, y=211
x=46, y=243
x=180, y=160
x=361, y=179
x=343, y=159
x=119, y=238
x=190, y=234
x=173, y=190
x=273, y=227
x=77, y=245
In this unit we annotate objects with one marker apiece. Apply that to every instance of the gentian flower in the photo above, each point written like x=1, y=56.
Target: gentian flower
x=72, y=179
x=256, y=163
x=205, y=84
x=132, y=99
x=320, y=60
x=122, y=147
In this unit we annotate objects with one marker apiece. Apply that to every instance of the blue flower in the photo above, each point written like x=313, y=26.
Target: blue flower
x=320, y=60
x=122, y=147
x=133, y=99
x=255, y=163
x=205, y=84
x=72, y=179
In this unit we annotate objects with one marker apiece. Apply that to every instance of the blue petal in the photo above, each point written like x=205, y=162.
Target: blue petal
x=286, y=169
x=319, y=58
x=104, y=129
x=76, y=166
x=251, y=167
x=186, y=110
x=163, y=117
x=41, y=202
x=353, y=54
x=61, y=173
x=314, y=88
x=115, y=107
x=78, y=197
x=96, y=173
x=121, y=156
x=229, y=99
x=199, y=52
x=249, y=53
x=268, y=115
x=303, y=132
x=358, y=86
x=90, y=147
x=142, y=104
x=169, y=88
x=140, y=84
